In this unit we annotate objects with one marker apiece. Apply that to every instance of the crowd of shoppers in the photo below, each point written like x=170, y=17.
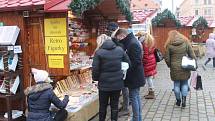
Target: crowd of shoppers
x=121, y=63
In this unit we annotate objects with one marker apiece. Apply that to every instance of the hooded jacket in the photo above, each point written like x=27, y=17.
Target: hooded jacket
x=107, y=66
x=173, y=57
x=135, y=74
x=39, y=98
x=210, y=46
x=149, y=61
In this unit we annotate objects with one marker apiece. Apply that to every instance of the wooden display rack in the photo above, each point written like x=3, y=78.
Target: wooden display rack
x=8, y=96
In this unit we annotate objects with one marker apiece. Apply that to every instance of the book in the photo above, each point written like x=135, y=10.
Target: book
x=14, y=84
x=8, y=35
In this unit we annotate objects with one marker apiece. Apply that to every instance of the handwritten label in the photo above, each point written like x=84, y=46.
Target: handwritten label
x=56, y=61
x=55, y=27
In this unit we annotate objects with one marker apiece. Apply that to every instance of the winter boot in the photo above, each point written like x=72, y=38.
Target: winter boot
x=151, y=95
x=184, y=101
x=178, y=102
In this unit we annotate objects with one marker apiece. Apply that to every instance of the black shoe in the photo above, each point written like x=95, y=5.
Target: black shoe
x=183, y=101
x=178, y=102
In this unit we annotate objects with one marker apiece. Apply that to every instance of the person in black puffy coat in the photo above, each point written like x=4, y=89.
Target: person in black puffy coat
x=40, y=97
x=107, y=71
x=135, y=74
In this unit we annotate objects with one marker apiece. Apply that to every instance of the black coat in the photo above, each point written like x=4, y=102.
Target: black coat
x=39, y=99
x=107, y=66
x=135, y=74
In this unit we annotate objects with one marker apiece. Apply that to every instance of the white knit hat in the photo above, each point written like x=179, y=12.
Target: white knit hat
x=39, y=75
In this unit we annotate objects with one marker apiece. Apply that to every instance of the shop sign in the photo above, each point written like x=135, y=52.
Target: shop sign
x=56, y=45
x=55, y=36
x=55, y=27
x=56, y=61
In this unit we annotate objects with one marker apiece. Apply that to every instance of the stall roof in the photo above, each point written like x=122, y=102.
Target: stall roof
x=57, y=5
x=8, y=5
x=141, y=15
x=189, y=20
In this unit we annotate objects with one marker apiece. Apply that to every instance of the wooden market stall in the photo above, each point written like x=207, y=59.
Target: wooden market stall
x=51, y=36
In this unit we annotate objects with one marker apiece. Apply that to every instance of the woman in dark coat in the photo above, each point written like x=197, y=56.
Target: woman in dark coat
x=40, y=97
x=176, y=47
x=108, y=72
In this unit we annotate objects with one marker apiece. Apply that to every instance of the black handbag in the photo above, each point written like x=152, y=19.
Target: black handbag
x=158, y=55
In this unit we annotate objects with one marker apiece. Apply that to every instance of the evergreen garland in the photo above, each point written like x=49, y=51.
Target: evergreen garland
x=200, y=21
x=124, y=7
x=79, y=6
x=166, y=14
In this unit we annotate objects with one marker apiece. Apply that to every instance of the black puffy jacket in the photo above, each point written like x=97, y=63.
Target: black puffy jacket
x=135, y=74
x=107, y=66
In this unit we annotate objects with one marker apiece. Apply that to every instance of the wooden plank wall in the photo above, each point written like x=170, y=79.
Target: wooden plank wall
x=161, y=34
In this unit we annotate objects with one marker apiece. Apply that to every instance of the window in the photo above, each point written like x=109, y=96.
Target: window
x=208, y=11
x=196, y=12
x=196, y=2
x=207, y=2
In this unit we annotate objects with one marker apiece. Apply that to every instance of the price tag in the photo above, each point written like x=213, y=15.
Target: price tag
x=17, y=49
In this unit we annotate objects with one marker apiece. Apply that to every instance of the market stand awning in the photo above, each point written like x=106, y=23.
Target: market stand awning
x=108, y=8
x=9, y=5
x=57, y=5
x=189, y=20
x=140, y=16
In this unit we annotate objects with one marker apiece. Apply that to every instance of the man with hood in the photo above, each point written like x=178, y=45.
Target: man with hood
x=40, y=97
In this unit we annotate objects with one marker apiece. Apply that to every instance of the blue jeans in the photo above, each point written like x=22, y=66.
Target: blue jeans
x=180, y=89
x=134, y=95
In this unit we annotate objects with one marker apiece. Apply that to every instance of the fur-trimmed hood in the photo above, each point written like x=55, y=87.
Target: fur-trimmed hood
x=35, y=91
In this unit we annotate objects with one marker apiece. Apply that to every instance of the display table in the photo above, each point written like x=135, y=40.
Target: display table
x=86, y=112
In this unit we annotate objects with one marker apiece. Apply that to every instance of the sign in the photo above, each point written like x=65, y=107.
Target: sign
x=55, y=27
x=56, y=45
x=55, y=36
x=56, y=61
x=1, y=24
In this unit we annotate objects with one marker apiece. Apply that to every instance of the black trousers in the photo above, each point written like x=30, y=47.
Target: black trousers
x=209, y=59
x=104, y=97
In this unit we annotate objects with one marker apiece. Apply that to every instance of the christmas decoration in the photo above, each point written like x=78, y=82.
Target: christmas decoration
x=199, y=26
x=163, y=19
x=79, y=6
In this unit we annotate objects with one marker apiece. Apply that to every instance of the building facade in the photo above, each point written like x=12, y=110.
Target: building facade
x=205, y=8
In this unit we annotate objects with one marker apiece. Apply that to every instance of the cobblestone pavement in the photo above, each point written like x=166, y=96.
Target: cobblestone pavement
x=200, y=104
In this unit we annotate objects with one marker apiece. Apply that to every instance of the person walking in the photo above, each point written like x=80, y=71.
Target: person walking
x=107, y=70
x=149, y=61
x=40, y=97
x=135, y=74
x=177, y=46
x=112, y=28
x=210, y=50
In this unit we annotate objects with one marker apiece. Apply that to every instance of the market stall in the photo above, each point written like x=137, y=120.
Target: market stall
x=60, y=41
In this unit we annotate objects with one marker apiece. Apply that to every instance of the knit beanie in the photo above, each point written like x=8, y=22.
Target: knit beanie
x=39, y=75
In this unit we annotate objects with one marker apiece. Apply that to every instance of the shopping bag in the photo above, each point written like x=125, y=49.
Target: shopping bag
x=188, y=63
x=199, y=83
x=193, y=79
x=158, y=55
